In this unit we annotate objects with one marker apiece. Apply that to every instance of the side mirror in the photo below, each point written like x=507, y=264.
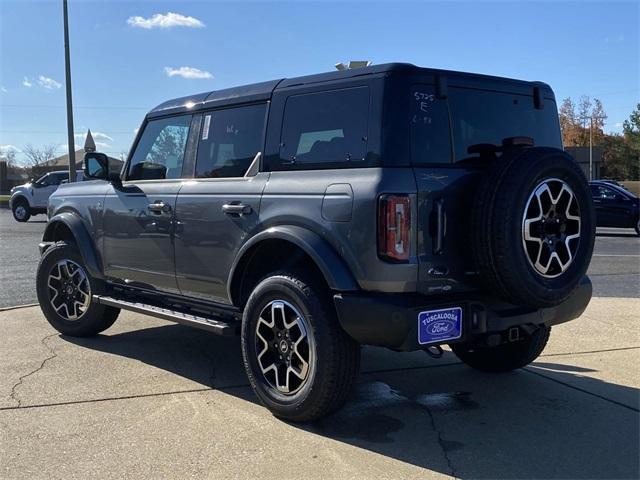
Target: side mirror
x=96, y=165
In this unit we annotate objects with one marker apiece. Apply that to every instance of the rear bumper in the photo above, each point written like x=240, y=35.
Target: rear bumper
x=391, y=320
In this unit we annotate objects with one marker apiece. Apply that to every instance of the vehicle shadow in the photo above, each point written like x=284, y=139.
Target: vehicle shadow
x=435, y=414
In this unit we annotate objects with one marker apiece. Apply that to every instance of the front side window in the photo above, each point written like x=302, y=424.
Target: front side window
x=229, y=141
x=160, y=151
x=604, y=193
x=325, y=127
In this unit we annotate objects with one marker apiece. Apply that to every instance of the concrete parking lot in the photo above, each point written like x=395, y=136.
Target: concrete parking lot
x=153, y=399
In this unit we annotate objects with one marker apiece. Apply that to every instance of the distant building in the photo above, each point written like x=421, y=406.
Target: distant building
x=62, y=163
x=581, y=155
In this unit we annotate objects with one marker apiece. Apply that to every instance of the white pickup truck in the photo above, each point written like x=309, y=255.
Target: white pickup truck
x=32, y=197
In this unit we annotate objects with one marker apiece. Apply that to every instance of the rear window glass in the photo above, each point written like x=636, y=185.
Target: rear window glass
x=479, y=116
x=325, y=128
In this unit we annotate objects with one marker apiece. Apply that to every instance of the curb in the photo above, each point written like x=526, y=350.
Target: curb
x=5, y=309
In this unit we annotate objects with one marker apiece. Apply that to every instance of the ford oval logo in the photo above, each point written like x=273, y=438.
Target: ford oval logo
x=440, y=327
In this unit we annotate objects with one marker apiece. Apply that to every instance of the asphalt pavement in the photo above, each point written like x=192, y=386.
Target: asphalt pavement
x=614, y=270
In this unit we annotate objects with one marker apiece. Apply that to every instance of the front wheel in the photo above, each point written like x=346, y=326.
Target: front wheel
x=21, y=211
x=65, y=293
x=299, y=361
x=505, y=357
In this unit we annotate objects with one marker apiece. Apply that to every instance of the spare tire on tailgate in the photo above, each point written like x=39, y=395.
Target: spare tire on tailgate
x=533, y=226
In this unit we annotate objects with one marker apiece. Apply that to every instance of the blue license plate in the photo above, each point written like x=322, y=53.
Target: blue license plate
x=436, y=326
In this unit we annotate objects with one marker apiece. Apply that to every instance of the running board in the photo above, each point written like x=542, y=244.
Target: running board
x=218, y=327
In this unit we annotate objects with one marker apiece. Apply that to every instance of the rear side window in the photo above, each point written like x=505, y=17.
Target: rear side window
x=229, y=141
x=160, y=151
x=325, y=129
x=484, y=117
x=430, y=131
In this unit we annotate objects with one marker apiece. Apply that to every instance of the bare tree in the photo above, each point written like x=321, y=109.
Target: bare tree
x=10, y=156
x=37, y=156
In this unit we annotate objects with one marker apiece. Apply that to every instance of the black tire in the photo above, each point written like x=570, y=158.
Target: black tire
x=334, y=369
x=637, y=227
x=95, y=318
x=497, y=226
x=20, y=209
x=505, y=357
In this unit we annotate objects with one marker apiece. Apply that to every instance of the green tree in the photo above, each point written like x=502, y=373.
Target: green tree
x=621, y=156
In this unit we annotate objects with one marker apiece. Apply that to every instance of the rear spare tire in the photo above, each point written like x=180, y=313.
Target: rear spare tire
x=533, y=226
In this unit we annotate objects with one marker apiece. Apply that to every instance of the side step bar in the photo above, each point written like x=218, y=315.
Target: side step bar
x=216, y=326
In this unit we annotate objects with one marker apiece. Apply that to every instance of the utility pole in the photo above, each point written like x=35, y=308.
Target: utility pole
x=67, y=72
x=591, y=118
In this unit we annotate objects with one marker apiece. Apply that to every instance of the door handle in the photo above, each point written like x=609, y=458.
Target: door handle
x=159, y=207
x=441, y=226
x=236, y=209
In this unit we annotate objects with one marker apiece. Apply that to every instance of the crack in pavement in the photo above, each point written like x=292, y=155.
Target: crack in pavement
x=14, y=388
x=441, y=441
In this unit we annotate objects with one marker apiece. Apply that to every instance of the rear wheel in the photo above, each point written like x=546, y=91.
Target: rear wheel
x=21, y=211
x=65, y=293
x=505, y=357
x=299, y=361
x=637, y=227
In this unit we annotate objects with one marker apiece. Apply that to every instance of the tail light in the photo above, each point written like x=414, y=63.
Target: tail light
x=394, y=225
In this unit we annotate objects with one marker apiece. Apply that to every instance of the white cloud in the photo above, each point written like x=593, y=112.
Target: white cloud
x=65, y=147
x=187, y=72
x=27, y=83
x=3, y=90
x=136, y=130
x=48, y=83
x=95, y=135
x=8, y=148
x=619, y=125
x=169, y=20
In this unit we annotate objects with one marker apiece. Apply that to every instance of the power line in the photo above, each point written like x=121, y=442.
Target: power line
x=95, y=107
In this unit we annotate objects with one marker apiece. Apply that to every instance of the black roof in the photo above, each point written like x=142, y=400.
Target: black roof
x=264, y=90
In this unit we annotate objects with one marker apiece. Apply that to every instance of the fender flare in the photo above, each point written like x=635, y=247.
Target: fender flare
x=335, y=271
x=16, y=196
x=82, y=239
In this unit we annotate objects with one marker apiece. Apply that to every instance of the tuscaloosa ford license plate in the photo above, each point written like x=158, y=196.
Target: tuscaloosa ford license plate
x=436, y=326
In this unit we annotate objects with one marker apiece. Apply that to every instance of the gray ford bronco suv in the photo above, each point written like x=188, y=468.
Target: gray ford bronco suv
x=390, y=205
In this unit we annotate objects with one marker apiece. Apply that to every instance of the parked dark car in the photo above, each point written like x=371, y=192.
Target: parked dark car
x=615, y=205
x=390, y=205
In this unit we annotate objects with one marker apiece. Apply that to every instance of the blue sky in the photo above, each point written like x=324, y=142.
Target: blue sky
x=125, y=60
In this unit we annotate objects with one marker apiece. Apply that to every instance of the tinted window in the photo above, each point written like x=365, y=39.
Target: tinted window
x=430, y=131
x=229, y=141
x=52, y=179
x=479, y=116
x=598, y=191
x=325, y=127
x=160, y=151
